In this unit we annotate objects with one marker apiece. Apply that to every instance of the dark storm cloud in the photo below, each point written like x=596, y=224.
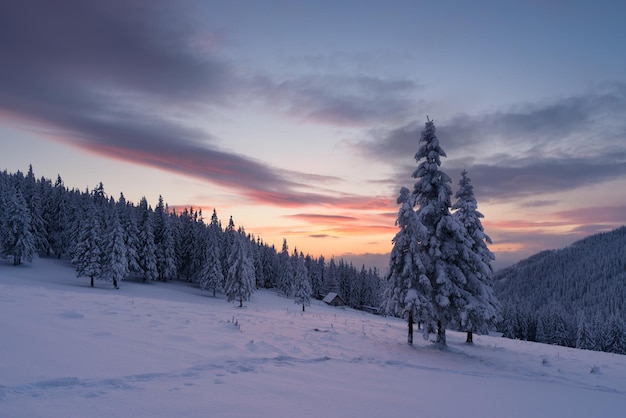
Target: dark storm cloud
x=560, y=145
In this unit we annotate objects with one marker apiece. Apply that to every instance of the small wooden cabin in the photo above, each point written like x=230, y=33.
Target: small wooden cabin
x=333, y=299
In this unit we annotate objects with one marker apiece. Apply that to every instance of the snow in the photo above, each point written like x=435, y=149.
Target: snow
x=168, y=349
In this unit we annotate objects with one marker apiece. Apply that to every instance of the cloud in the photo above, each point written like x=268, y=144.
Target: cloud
x=593, y=122
x=96, y=75
x=529, y=149
x=314, y=217
x=595, y=214
x=332, y=226
x=513, y=178
x=349, y=101
x=134, y=47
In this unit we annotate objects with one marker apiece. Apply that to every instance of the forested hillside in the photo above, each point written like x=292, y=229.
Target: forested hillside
x=575, y=296
x=112, y=240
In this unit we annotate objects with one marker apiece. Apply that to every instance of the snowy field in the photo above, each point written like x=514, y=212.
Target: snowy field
x=168, y=349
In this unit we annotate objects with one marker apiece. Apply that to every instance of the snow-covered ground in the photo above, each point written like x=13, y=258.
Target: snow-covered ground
x=168, y=349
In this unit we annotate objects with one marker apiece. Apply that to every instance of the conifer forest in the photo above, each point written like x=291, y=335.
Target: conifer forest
x=113, y=240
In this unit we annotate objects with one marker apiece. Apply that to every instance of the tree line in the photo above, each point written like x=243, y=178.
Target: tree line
x=575, y=296
x=113, y=240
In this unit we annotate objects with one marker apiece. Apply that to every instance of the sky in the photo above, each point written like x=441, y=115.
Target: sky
x=301, y=119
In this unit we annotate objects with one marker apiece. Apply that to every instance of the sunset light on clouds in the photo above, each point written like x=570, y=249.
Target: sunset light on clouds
x=300, y=119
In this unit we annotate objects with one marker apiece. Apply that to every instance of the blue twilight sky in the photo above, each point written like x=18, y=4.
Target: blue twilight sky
x=301, y=118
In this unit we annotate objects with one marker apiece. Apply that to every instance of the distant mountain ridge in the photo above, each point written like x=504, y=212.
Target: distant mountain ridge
x=551, y=295
x=588, y=275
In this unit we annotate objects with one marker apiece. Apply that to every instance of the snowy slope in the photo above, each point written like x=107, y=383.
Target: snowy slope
x=168, y=349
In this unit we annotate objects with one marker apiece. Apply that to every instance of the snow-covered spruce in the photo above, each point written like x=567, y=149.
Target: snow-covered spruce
x=439, y=273
x=482, y=309
x=240, y=283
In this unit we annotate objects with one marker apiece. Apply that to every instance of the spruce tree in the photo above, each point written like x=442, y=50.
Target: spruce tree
x=163, y=242
x=285, y=279
x=302, y=287
x=482, y=309
x=443, y=248
x=127, y=216
x=114, y=262
x=316, y=273
x=615, y=336
x=330, y=280
x=57, y=219
x=32, y=196
x=87, y=251
x=147, y=252
x=270, y=265
x=585, y=339
x=408, y=288
x=228, y=242
x=211, y=276
x=240, y=281
x=17, y=240
x=3, y=209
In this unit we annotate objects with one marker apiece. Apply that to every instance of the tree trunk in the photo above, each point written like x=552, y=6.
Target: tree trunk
x=441, y=333
x=410, y=336
x=115, y=283
x=91, y=281
x=241, y=301
x=303, y=307
x=470, y=337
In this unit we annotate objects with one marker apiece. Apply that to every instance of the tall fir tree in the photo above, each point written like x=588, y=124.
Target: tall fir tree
x=33, y=199
x=57, y=219
x=302, y=286
x=17, y=240
x=330, y=280
x=114, y=262
x=228, y=241
x=482, y=309
x=270, y=266
x=585, y=339
x=211, y=275
x=147, y=251
x=408, y=290
x=87, y=251
x=4, y=204
x=316, y=273
x=615, y=335
x=127, y=215
x=285, y=279
x=240, y=281
x=164, y=242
